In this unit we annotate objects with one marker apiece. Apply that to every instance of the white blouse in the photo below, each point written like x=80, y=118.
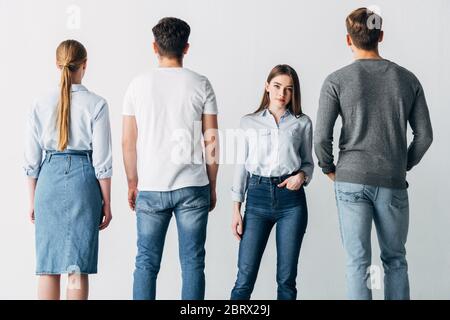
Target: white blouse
x=89, y=130
x=271, y=149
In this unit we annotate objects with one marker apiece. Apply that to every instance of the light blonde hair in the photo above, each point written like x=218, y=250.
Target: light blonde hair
x=70, y=55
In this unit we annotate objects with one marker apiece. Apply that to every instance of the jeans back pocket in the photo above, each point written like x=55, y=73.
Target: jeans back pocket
x=195, y=197
x=349, y=192
x=400, y=199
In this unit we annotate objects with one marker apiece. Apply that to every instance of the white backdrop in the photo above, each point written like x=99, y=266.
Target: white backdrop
x=235, y=43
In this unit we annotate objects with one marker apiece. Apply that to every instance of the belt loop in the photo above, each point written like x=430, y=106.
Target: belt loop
x=88, y=157
x=259, y=179
x=49, y=155
x=68, y=163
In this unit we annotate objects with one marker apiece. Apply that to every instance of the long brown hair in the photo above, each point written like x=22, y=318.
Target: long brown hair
x=70, y=55
x=294, y=105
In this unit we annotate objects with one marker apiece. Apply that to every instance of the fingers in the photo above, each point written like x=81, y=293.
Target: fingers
x=106, y=221
x=283, y=184
x=239, y=229
x=213, y=200
x=212, y=204
x=235, y=232
x=132, y=200
x=294, y=186
x=103, y=224
x=236, y=228
x=131, y=204
x=106, y=217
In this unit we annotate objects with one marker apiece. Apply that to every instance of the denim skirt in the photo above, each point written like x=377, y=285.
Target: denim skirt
x=68, y=212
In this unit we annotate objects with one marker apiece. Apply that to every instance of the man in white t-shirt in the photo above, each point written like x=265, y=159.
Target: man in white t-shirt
x=169, y=117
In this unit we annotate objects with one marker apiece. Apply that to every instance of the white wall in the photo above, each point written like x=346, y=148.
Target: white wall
x=234, y=43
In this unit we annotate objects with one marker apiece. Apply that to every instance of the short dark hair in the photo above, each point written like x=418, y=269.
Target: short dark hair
x=171, y=37
x=364, y=27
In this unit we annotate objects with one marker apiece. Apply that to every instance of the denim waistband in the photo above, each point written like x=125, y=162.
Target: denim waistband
x=82, y=153
x=272, y=180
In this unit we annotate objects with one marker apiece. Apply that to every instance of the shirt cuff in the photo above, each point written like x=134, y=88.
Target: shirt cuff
x=103, y=173
x=32, y=173
x=308, y=175
x=329, y=169
x=237, y=196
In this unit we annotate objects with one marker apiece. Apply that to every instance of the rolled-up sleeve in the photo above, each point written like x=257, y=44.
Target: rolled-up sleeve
x=306, y=152
x=33, y=149
x=101, y=142
x=241, y=175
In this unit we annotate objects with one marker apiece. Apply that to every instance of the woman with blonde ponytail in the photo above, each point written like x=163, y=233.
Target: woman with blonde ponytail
x=68, y=160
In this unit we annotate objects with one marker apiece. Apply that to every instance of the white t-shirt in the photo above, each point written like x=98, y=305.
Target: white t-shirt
x=168, y=104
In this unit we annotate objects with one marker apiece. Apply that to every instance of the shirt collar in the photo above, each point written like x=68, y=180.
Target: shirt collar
x=286, y=114
x=78, y=87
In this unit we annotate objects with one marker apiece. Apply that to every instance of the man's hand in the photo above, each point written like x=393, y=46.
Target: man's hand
x=213, y=199
x=129, y=141
x=332, y=176
x=132, y=195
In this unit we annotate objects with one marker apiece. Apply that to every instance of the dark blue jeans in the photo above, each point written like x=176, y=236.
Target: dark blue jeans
x=266, y=206
x=154, y=211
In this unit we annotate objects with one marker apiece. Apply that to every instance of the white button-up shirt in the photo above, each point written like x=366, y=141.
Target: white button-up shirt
x=89, y=130
x=272, y=150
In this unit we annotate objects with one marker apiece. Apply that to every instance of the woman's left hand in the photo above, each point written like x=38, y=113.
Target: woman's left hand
x=294, y=183
x=107, y=216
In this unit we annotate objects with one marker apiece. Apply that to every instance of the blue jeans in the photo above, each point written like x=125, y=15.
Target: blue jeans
x=154, y=211
x=357, y=206
x=266, y=206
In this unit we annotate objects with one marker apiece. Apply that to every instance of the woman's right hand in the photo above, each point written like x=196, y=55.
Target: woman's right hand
x=236, y=224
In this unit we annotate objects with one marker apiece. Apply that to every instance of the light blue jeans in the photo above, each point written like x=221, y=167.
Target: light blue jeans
x=154, y=211
x=357, y=206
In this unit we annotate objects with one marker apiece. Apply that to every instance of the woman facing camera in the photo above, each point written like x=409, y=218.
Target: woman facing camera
x=278, y=164
x=68, y=161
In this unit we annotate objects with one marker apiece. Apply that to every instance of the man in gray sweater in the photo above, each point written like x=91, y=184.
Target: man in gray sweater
x=376, y=99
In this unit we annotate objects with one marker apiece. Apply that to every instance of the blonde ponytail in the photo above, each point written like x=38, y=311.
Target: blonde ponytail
x=63, y=118
x=70, y=55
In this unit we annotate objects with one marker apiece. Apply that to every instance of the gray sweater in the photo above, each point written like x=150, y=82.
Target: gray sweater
x=376, y=99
